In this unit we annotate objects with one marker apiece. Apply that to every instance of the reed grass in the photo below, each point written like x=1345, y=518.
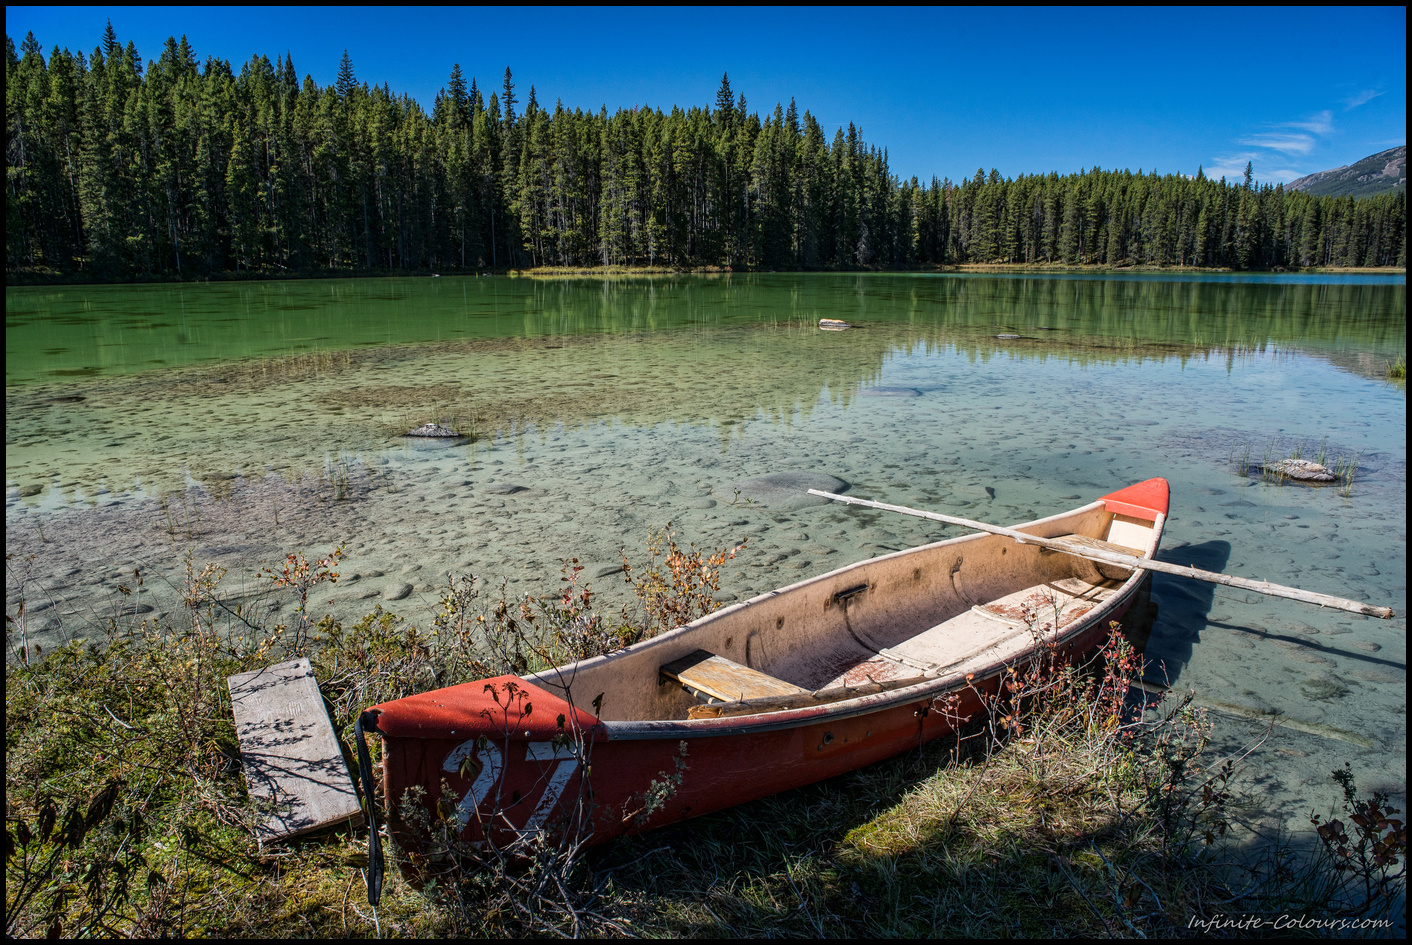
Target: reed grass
x=187, y=524
x=1346, y=468
x=1241, y=465
x=338, y=474
x=312, y=364
x=1397, y=370
x=1269, y=457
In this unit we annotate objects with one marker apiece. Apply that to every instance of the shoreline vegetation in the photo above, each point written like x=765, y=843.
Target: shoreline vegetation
x=54, y=278
x=174, y=168
x=1076, y=804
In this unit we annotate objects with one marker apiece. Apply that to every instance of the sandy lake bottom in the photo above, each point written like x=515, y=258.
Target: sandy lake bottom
x=584, y=444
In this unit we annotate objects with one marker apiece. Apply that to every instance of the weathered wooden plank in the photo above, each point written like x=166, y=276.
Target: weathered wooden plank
x=293, y=762
x=724, y=679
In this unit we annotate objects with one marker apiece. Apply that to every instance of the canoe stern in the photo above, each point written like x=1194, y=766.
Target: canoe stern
x=495, y=751
x=1143, y=500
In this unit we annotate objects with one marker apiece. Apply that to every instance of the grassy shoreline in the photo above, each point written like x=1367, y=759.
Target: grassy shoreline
x=54, y=278
x=1064, y=810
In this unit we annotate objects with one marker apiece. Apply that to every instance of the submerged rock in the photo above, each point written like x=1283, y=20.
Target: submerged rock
x=1302, y=469
x=602, y=569
x=435, y=436
x=434, y=430
x=1324, y=688
x=783, y=490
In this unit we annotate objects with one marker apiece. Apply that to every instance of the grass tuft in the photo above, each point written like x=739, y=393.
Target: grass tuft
x=1344, y=465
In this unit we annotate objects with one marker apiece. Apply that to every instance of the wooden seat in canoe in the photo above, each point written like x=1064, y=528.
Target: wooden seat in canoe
x=1083, y=541
x=709, y=676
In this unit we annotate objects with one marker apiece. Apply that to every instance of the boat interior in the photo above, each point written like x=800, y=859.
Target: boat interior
x=945, y=608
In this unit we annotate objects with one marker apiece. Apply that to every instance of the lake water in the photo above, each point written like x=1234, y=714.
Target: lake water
x=241, y=421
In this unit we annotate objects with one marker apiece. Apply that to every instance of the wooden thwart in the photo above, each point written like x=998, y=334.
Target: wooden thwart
x=720, y=678
x=293, y=762
x=799, y=700
x=1083, y=550
x=1096, y=544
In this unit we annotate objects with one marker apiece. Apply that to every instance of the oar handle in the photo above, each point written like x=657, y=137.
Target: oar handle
x=1129, y=561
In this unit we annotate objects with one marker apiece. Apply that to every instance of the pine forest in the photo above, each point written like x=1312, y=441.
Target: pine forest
x=179, y=169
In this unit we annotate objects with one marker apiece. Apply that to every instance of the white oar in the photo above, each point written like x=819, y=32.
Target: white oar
x=1128, y=561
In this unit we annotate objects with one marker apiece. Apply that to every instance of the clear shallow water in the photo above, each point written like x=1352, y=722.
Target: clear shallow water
x=618, y=405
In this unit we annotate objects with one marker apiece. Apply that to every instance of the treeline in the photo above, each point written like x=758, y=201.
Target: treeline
x=182, y=169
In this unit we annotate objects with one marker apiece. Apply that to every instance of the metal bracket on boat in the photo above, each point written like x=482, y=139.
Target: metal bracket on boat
x=368, y=721
x=845, y=595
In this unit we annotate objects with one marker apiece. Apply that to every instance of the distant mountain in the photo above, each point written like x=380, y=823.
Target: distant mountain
x=1384, y=171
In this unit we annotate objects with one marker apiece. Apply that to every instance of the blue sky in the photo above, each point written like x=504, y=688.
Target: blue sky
x=945, y=90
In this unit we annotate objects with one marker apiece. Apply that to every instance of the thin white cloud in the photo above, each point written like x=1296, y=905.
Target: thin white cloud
x=1320, y=124
x=1293, y=139
x=1280, y=141
x=1362, y=98
x=1230, y=166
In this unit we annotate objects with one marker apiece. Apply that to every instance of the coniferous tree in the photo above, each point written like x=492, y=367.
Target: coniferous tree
x=179, y=171
x=346, y=81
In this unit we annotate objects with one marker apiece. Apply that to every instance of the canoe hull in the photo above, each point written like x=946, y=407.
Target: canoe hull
x=502, y=757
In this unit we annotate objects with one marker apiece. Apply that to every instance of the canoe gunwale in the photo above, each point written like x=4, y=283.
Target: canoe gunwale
x=928, y=690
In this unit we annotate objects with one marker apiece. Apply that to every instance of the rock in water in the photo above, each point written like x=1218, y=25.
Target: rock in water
x=1302, y=469
x=602, y=569
x=782, y=490
x=433, y=430
x=396, y=591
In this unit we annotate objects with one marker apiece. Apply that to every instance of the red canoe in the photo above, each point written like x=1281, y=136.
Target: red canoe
x=786, y=689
